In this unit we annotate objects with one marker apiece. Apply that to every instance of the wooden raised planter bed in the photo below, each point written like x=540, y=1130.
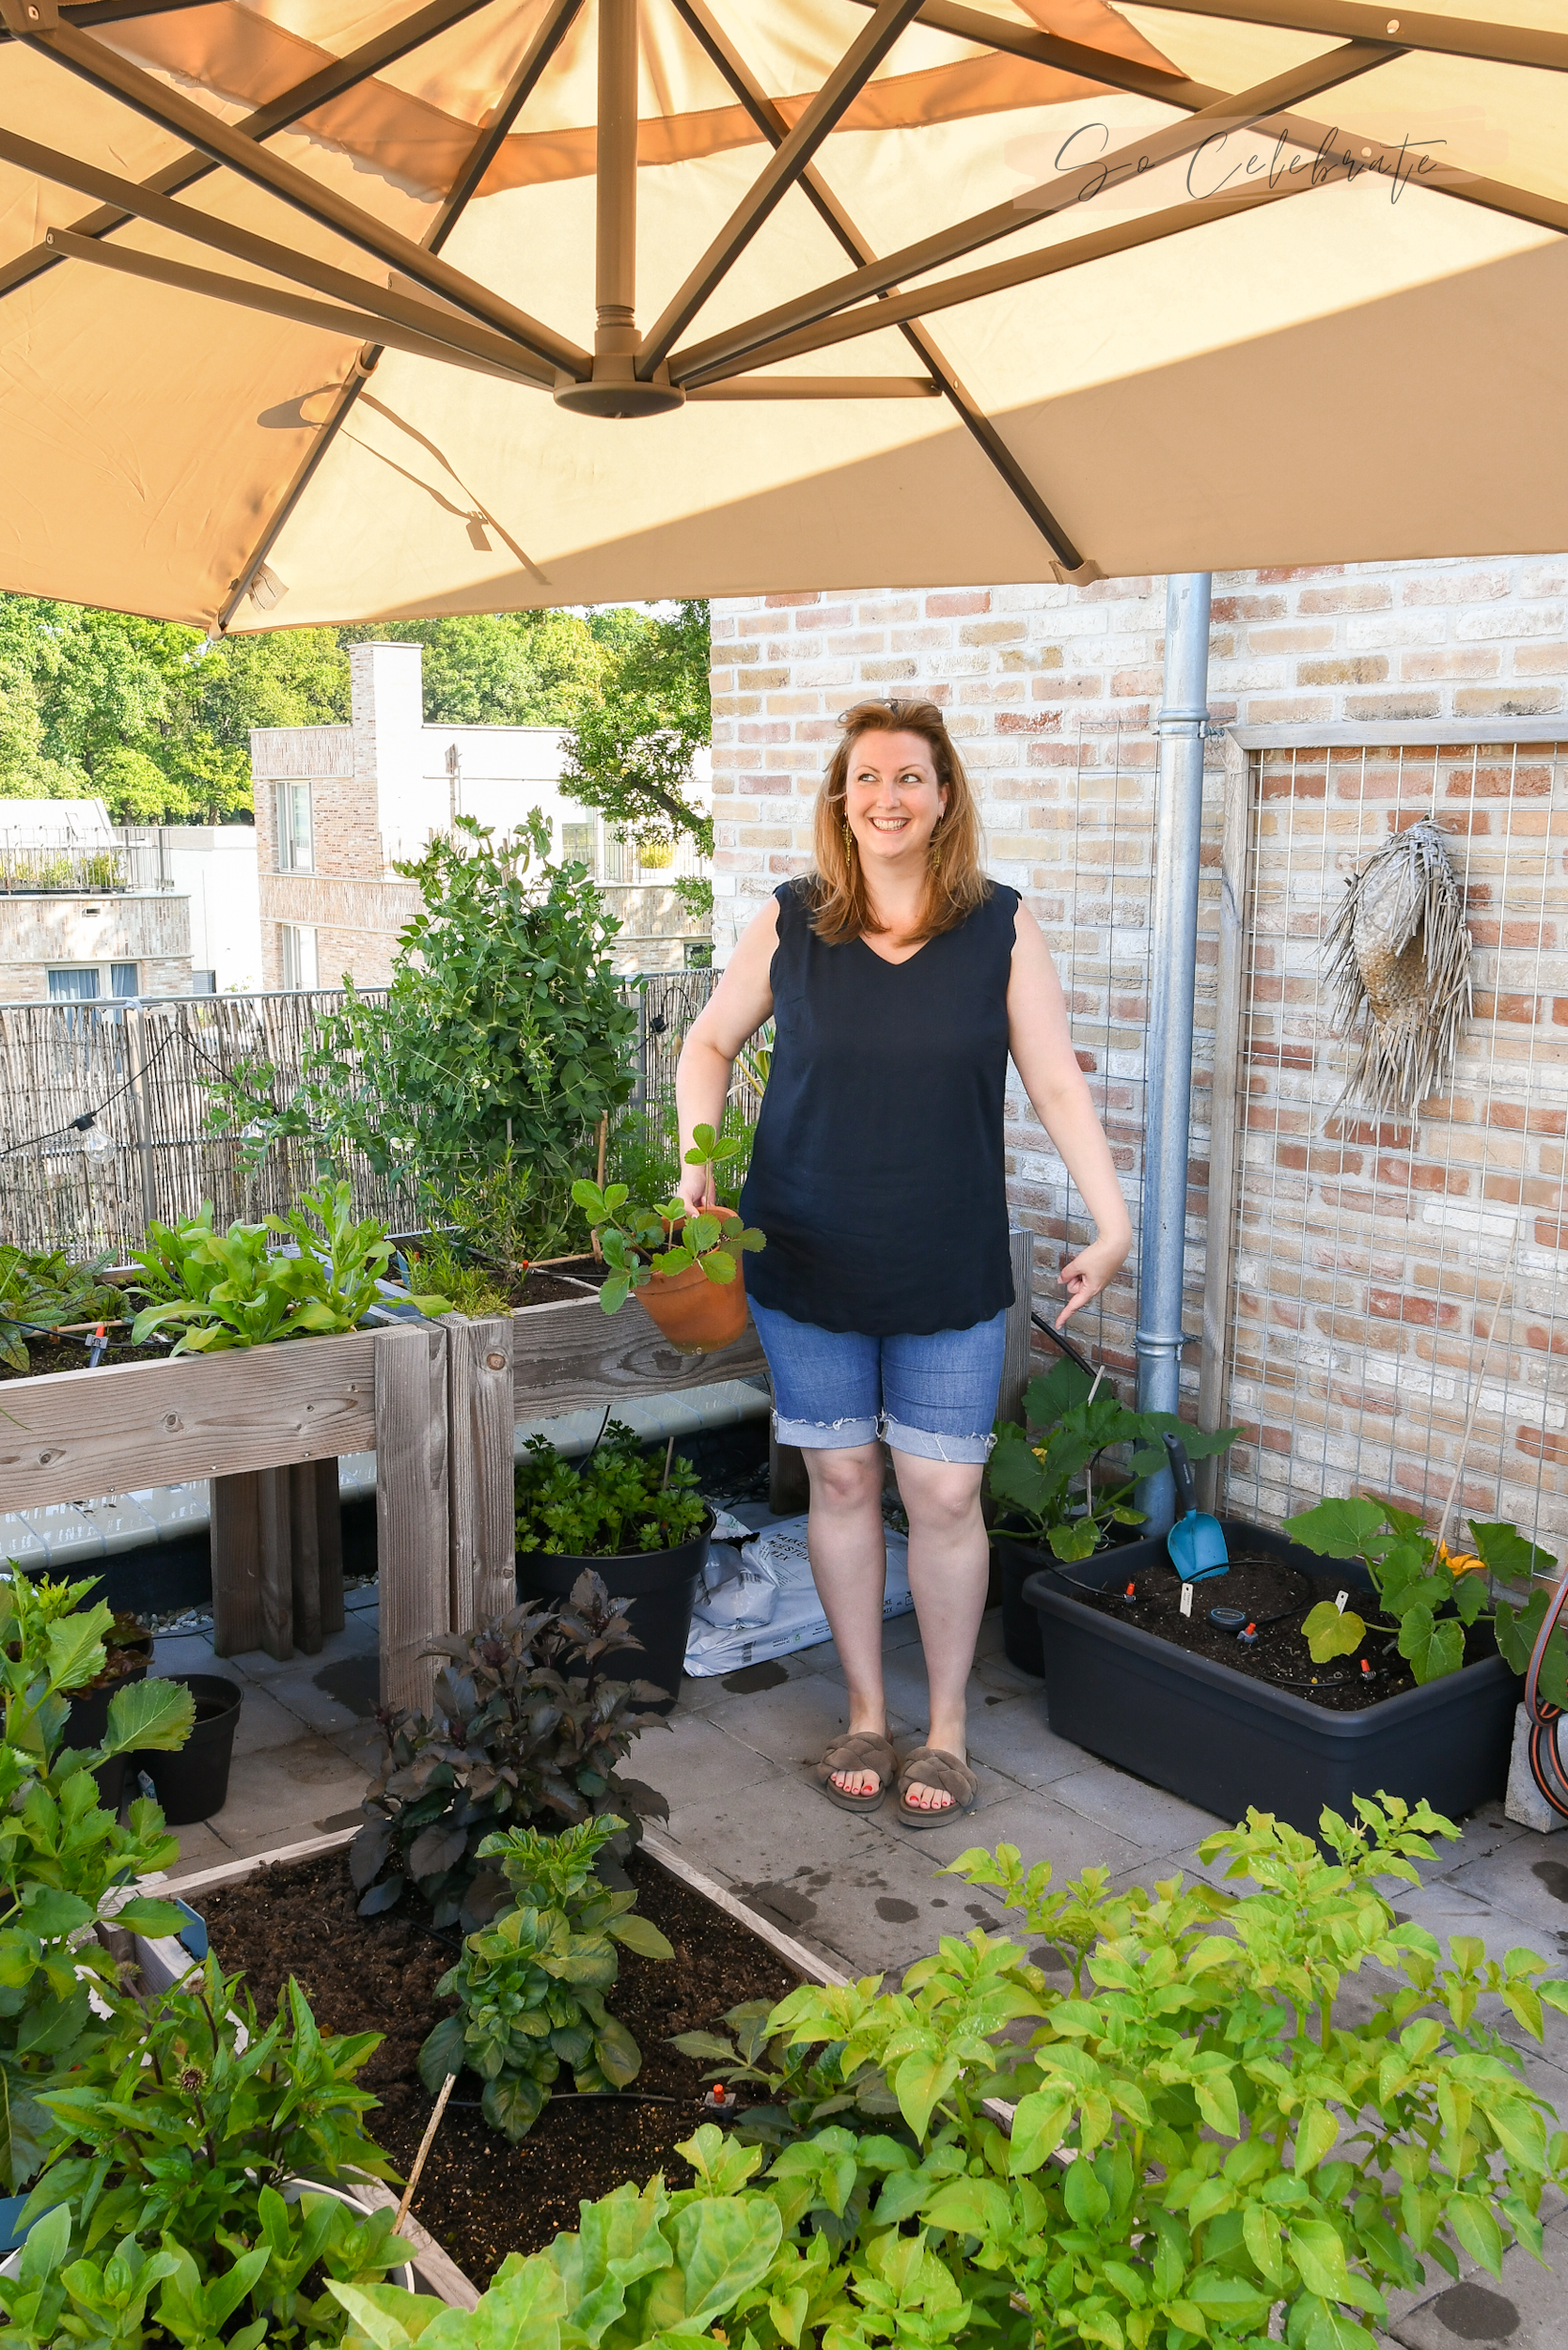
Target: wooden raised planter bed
x=538, y=2182
x=437, y=1402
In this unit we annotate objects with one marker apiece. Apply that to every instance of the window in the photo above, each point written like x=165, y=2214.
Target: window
x=76, y=984
x=295, y=844
x=580, y=844
x=123, y=979
x=204, y=982
x=297, y=947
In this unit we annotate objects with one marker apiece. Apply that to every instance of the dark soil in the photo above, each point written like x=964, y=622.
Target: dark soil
x=478, y=2195
x=546, y=1285
x=54, y=1352
x=1263, y=1586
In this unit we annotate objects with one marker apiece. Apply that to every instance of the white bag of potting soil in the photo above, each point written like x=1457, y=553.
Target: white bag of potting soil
x=777, y=1557
x=734, y=1591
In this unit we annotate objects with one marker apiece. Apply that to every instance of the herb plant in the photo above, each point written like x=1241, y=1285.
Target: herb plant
x=526, y=1727
x=531, y=1984
x=40, y=1290
x=620, y=1502
x=667, y=1238
x=184, y=2110
x=239, y=1287
x=129, y=2296
x=1430, y=1595
x=1047, y=1475
x=61, y=1854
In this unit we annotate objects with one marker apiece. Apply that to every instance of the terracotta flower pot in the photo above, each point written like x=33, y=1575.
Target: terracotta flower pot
x=698, y=1316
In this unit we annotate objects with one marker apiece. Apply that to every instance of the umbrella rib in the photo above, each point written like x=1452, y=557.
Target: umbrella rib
x=327, y=82
x=700, y=23
x=821, y=387
x=785, y=165
x=332, y=318
x=538, y=54
x=433, y=325
x=1165, y=145
x=897, y=309
x=1340, y=20
x=103, y=69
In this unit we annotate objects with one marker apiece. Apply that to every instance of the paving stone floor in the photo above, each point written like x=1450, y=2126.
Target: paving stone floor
x=735, y=1763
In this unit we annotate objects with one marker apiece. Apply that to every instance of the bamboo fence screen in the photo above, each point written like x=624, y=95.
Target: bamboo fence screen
x=148, y=1072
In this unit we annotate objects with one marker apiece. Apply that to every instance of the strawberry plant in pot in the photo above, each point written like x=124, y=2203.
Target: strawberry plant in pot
x=684, y=1267
x=528, y=1729
x=643, y=1512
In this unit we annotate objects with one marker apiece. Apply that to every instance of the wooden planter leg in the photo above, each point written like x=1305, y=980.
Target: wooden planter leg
x=788, y=1491
x=277, y=1552
x=481, y=1415
x=235, y=1541
x=329, y=1541
x=412, y=1532
x=305, y=1561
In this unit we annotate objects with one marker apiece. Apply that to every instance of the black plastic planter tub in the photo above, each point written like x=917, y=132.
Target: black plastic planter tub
x=660, y=1590
x=1225, y=1741
x=192, y=1783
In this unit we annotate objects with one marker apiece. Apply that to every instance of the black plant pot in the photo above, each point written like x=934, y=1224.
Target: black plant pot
x=193, y=1783
x=1014, y=1562
x=1225, y=1741
x=87, y=1725
x=659, y=1588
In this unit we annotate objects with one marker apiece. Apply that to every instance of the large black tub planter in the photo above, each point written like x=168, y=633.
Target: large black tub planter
x=1225, y=1741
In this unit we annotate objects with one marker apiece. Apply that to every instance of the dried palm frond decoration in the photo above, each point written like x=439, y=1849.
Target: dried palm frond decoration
x=1399, y=968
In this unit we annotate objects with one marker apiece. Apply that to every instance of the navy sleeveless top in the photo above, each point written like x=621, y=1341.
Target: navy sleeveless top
x=877, y=1171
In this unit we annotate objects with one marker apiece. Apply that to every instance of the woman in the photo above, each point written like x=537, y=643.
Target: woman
x=900, y=980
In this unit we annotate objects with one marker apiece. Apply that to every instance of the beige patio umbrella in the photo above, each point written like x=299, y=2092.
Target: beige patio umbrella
x=320, y=309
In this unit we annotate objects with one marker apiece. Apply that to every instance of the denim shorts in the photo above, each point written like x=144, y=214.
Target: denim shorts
x=934, y=1396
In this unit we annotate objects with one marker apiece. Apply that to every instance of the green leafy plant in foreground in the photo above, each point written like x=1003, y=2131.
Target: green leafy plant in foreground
x=1430, y=1595
x=224, y=1290
x=525, y=1725
x=41, y=1290
x=61, y=1854
x=275, y=2272
x=667, y=1238
x=1044, y=1473
x=620, y=1502
x=530, y=1985
x=183, y=2112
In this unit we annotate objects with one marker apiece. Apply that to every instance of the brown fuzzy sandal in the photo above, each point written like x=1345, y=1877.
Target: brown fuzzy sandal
x=857, y=1750
x=933, y=1766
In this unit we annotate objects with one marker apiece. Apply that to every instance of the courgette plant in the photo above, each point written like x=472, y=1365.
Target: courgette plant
x=638, y=1241
x=1430, y=1594
x=1045, y=1473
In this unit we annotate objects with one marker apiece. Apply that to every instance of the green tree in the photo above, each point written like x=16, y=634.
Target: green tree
x=632, y=747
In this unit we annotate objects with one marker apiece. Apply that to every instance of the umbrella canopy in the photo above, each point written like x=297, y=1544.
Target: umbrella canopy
x=332, y=309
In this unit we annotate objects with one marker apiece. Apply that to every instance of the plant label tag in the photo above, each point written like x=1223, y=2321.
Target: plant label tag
x=1186, y=1599
x=1340, y=1601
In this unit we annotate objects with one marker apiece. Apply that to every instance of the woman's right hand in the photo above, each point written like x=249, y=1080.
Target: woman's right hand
x=695, y=1187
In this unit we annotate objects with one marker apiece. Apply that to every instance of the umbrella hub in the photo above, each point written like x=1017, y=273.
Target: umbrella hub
x=613, y=390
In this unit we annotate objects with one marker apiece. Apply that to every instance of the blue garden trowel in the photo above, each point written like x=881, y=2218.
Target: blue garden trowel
x=1195, y=1542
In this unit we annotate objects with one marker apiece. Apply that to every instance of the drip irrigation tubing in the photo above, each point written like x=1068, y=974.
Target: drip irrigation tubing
x=1261, y=1623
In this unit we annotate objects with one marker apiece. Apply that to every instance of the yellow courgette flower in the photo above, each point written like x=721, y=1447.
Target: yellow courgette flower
x=1460, y=1561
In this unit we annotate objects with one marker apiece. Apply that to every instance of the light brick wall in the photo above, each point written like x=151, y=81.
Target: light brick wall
x=1049, y=692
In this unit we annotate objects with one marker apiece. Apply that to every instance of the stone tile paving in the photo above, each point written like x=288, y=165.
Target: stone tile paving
x=866, y=1892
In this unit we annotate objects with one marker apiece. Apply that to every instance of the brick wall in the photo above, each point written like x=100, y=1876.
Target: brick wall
x=1049, y=692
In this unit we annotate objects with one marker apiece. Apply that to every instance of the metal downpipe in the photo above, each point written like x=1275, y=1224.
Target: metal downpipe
x=1182, y=726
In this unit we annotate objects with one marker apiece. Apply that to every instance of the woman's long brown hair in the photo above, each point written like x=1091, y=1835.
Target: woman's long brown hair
x=955, y=881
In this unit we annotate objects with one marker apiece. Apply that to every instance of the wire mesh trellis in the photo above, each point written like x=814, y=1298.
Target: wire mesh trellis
x=146, y=1072
x=1385, y=1271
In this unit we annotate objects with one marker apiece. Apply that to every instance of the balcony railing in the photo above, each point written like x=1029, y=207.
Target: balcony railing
x=33, y=864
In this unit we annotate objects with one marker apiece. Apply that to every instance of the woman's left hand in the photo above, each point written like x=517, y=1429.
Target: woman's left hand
x=1085, y=1275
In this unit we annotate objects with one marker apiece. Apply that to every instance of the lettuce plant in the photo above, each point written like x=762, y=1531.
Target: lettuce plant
x=530, y=1985
x=61, y=1853
x=41, y=1290
x=1430, y=1594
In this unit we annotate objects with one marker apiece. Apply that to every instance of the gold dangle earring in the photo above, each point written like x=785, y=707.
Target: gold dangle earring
x=849, y=839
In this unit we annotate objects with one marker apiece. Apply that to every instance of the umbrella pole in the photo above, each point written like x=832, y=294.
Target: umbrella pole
x=615, y=194
x=1182, y=725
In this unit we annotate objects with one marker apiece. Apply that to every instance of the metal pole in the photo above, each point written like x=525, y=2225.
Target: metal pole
x=136, y=1054
x=1182, y=725
x=616, y=252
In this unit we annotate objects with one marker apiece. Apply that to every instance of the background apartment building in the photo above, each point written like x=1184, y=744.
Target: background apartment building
x=1353, y=1286
x=336, y=808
